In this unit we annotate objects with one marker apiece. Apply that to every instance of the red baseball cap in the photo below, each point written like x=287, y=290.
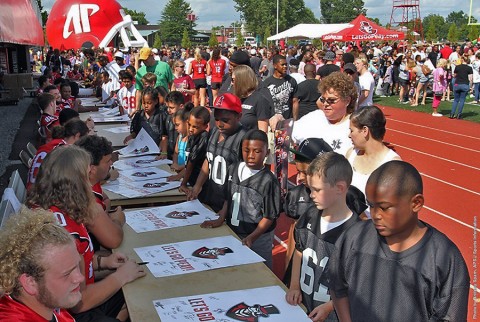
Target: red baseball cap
x=228, y=102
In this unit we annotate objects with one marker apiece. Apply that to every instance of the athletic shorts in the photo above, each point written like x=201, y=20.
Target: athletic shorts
x=216, y=85
x=200, y=83
x=403, y=82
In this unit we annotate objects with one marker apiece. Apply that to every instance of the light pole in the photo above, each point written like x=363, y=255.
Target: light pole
x=277, y=14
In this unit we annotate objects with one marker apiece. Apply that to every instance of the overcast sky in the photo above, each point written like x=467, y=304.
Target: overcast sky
x=222, y=12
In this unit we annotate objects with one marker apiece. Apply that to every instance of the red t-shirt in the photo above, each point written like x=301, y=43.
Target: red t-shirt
x=98, y=193
x=446, y=51
x=68, y=103
x=39, y=157
x=11, y=310
x=199, y=69
x=47, y=122
x=185, y=82
x=82, y=241
x=217, y=68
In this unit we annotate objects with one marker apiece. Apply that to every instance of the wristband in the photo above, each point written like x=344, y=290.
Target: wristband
x=163, y=153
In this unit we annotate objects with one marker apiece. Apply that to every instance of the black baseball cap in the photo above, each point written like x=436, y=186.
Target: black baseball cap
x=310, y=148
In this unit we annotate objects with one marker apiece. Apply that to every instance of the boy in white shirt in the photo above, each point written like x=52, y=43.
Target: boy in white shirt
x=126, y=95
x=108, y=89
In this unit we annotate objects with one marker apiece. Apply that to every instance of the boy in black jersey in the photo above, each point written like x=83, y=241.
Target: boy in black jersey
x=252, y=196
x=329, y=177
x=196, y=150
x=174, y=101
x=396, y=267
x=223, y=150
x=297, y=200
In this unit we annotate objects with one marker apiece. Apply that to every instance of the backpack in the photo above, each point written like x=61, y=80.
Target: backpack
x=425, y=70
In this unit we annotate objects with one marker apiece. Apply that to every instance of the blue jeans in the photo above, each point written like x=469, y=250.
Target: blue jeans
x=460, y=92
x=476, y=91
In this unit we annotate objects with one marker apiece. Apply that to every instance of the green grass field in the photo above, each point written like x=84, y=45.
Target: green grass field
x=471, y=112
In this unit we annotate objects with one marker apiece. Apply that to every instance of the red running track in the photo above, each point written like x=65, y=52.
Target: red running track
x=447, y=154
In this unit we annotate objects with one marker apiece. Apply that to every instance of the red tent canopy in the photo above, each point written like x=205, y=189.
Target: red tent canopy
x=19, y=23
x=363, y=29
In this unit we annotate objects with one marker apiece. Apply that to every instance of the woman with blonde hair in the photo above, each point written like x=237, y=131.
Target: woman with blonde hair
x=198, y=67
x=216, y=69
x=257, y=109
x=62, y=186
x=439, y=84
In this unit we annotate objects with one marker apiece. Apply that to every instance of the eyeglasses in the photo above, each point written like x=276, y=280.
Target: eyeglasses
x=183, y=66
x=329, y=101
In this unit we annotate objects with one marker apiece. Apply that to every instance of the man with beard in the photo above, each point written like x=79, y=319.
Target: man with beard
x=40, y=269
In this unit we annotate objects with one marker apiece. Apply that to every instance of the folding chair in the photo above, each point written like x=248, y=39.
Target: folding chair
x=31, y=149
x=16, y=183
x=25, y=158
x=6, y=211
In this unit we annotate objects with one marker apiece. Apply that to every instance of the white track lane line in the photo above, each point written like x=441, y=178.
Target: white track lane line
x=433, y=140
x=450, y=184
x=432, y=128
x=436, y=156
x=281, y=242
x=451, y=218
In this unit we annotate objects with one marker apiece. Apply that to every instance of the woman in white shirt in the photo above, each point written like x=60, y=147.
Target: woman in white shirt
x=367, y=130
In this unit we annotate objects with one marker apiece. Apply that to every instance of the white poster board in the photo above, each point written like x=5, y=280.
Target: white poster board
x=142, y=145
x=182, y=214
x=140, y=162
x=196, y=256
x=141, y=188
x=142, y=174
x=266, y=304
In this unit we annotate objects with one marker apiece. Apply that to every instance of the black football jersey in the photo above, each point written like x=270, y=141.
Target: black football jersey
x=172, y=135
x=297, y=201
x=196, y=152
x=427, y=282
x=316, y=249
x=220, y=156
x=251, y=200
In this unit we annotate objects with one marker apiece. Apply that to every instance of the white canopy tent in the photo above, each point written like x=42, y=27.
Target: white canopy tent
x=304, y=30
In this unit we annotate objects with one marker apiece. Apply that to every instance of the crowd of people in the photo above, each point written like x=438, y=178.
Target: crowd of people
x=358, y=250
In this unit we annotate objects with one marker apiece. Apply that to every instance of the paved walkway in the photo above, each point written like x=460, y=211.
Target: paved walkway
x=18, y=127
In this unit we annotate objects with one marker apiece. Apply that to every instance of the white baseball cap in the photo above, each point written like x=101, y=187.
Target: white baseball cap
x=253, y=52
x=155, y=51
x=119, y=54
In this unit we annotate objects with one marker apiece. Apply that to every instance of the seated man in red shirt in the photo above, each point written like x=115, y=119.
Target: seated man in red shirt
x=47, y=277
x=107, y=228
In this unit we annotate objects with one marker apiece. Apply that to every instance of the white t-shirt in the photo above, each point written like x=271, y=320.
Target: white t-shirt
x=107, y=88
x=298, y=77
x=126, y=97
x=187, y=62
x=367, y=82
x=476, y=70
x=316, y=125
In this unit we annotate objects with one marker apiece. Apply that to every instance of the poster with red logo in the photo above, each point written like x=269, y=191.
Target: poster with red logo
x=179, y=215
x=196, y=256
x=265, y=304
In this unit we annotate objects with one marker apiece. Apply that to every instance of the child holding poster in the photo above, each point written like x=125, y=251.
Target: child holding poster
x=252, y=200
